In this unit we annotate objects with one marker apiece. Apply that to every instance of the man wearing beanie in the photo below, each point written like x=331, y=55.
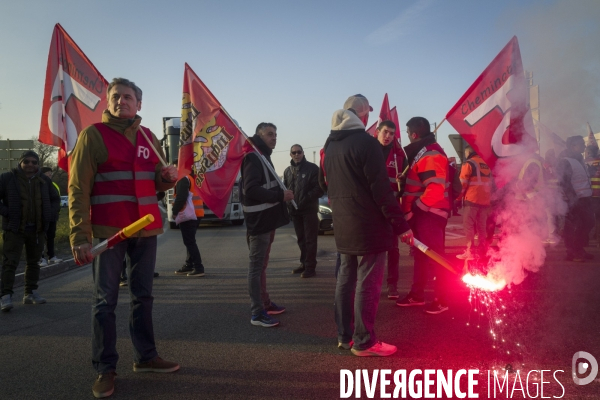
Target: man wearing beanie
x=28, y=202
x=367, y=221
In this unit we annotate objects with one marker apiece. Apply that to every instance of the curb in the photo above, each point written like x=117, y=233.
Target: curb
x=50, y=270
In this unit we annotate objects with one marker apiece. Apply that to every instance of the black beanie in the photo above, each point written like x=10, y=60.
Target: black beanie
x=29, y=153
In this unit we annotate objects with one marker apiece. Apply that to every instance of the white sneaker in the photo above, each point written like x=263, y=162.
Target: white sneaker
x=466, y=255
x=43, y=262
x=379, y=349
x=54, y=260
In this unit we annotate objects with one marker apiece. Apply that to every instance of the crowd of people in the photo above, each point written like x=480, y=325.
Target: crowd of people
x=380, y=194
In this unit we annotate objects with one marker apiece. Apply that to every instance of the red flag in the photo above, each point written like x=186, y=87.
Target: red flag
x=394, y=118
x=384, y=114
x=211, y=144
x=74, y=95
x=493, y=115
x=591, y=141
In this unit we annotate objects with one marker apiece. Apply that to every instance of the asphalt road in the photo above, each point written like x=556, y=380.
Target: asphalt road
x=204, y=324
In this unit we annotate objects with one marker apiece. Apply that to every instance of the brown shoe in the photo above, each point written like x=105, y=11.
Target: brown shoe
x=156, y=365
x=104, y=385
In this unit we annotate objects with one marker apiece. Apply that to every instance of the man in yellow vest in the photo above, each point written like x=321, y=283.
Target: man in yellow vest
x=475, y=178
x=193, y=266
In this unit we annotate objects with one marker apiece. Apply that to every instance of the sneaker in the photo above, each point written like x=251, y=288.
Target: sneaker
x=345, y=346
x=54, y=260
x=309, y=273
x=409, y=301
x=436, y=308
x=33, y=298
x=104, y=385
x=43, y=262
x=392, y=292
x=379, y=349
x=123, y=283
x=156, y=365
x=156, y=275
x=186, y=269
x=196, y=272
x=298, y=270
x=467, y=255
x=6, y=303
x=264, y=319
x=274, y=309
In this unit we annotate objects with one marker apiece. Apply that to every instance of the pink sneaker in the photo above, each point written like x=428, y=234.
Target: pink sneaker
x=379, y=349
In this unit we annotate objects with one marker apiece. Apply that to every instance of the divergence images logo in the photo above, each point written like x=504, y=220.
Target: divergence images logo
x=583, y=367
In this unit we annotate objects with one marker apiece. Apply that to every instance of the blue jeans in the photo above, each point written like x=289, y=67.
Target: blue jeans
x=259, y=247
x=106, y=270
x=357, y=297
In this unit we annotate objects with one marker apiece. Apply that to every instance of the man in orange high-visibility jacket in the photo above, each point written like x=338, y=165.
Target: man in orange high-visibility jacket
x=193, y=266
x=426, y=204
x=476, y=181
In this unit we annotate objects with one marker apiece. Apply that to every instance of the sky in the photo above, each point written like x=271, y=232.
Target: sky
x=295, y=63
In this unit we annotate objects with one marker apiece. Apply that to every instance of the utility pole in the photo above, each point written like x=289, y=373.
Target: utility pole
x=314, y=157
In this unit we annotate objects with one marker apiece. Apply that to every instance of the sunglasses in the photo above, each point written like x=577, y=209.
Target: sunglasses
x=296, y=152
x=26, y=162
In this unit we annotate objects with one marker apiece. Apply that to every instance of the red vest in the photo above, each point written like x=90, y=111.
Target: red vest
x=124, y=189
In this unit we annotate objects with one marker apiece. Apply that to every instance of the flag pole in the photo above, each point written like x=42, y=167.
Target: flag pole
x=396, y=165
x=262, y=158
x=164, y=163
x=438, y=127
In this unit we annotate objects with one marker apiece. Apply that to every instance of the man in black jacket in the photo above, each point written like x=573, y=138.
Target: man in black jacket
x=28, y=202
x=302, y=178
x=263, y=202
x=367, y=219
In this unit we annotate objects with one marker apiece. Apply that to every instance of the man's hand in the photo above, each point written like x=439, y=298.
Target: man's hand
x=288, y=195
x=407, y=237
x=169, y=173
x=83, y=254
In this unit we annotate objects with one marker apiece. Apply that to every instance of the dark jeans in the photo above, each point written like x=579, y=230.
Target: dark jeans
x=393, y=265
x=188, y=233
x=50, y=235
x=106, y=270
x=13, y=247
x=429, y=229
x=357, y=297
x=259, y=247
x=578, y=224
x=307, y=230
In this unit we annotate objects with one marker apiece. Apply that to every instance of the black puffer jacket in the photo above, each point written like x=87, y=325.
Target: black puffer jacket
x=254, y=194
x=303, y=180
x=11, y=202
x=367, y=217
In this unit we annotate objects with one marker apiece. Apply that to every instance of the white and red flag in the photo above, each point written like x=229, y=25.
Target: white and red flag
x=74, y=95
x=211, y=144
x=493, y=115
x=550, y=139
x=591, y=141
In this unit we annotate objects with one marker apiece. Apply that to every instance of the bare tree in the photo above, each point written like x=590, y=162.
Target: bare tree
x=46, y=153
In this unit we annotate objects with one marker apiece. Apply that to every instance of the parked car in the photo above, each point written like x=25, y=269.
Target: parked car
x=325, y=215
x=64, y=201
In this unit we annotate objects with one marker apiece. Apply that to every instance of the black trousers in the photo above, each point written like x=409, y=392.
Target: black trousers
x=188, y=233
x=50, y=235
x=13, y=247
x=307, y=230
x=578, y=224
